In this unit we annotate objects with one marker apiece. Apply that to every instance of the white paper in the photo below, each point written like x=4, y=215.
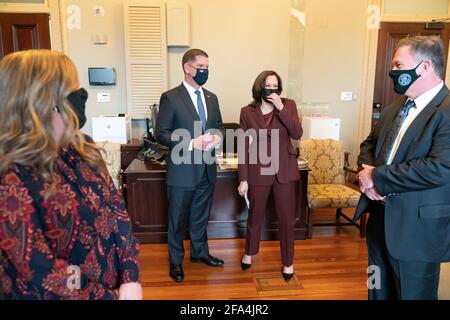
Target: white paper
x=247, y=202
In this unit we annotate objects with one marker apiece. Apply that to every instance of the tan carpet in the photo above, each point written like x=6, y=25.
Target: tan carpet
x=444, y=283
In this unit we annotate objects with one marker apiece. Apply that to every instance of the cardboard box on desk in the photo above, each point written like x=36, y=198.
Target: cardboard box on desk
x=112, y=128
x=321, y=128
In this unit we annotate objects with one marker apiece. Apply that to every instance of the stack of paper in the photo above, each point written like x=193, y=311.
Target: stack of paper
x=227, y=163
x=302, y=163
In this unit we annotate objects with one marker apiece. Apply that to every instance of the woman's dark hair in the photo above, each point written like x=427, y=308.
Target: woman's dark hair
x=260, y=82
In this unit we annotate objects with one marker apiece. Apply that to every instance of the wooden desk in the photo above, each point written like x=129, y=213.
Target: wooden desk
x=147, y=205
x=128, y=153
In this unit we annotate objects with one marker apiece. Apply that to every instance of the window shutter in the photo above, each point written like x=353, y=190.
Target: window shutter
x=145, y=54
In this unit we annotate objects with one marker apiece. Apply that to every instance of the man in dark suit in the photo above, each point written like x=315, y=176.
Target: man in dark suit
x=190, y=124
x=405, y=177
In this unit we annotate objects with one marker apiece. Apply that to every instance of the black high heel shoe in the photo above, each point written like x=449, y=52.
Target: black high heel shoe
x=287, y=276
x=245, y=266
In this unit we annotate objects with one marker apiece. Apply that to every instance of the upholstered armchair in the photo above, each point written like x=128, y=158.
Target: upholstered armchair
x=326, y=182
x=111, y=154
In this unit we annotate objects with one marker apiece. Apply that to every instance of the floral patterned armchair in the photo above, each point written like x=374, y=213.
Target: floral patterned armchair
x=111, y=154
x=326, y=181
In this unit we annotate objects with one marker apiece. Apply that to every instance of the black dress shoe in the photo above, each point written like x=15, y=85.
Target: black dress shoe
x=245, y=266
x=209, y=260
x=176, y=272
x=287, y=276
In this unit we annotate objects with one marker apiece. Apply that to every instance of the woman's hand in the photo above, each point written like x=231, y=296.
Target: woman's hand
x=59, y=126
x=130, y=291
x=243, y=188
x=276, y=101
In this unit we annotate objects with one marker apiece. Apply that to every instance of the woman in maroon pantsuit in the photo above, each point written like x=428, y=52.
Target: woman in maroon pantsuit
x=273, y=121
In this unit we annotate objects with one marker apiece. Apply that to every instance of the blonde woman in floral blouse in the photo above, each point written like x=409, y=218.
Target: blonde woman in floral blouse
x=61, y=218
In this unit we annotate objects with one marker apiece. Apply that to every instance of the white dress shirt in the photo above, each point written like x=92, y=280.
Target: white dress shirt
x=421, y=102
x=191, y=91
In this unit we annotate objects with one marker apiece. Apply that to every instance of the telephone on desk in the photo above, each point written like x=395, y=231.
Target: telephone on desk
x=154, y=151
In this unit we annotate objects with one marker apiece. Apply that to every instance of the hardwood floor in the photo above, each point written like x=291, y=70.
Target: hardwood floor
x=331, y=265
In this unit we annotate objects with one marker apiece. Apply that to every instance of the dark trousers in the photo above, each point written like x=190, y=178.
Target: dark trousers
x=189, y=207
x=284, y=203
x=403, y=280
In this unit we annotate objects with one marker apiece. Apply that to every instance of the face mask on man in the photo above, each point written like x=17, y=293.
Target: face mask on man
x=267, y=92
x=78, y=100
x=201, y=76
x=403, y=79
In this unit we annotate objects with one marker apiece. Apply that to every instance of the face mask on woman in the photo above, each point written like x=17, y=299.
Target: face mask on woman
x=78, y=100
x=267, y=92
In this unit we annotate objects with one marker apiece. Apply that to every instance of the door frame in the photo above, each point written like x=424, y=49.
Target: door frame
x=370, y=61
x=28, y=6
x=56, y=10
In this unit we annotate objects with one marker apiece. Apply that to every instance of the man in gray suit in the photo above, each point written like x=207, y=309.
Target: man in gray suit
x=190, y=124
x=405, y=177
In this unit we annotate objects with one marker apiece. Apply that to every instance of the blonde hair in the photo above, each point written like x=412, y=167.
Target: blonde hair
x=32, y=84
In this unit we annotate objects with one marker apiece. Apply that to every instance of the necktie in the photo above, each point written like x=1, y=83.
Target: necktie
x=388, y=145
x=201, y=109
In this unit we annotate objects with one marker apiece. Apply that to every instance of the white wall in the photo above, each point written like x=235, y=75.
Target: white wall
x=242, y=38
x=85, y=54
x=333, y=60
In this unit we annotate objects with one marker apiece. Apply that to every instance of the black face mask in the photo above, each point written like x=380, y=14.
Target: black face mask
x=267, y=92
x=201, y=76
x=78, y=101
x=403, y=79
